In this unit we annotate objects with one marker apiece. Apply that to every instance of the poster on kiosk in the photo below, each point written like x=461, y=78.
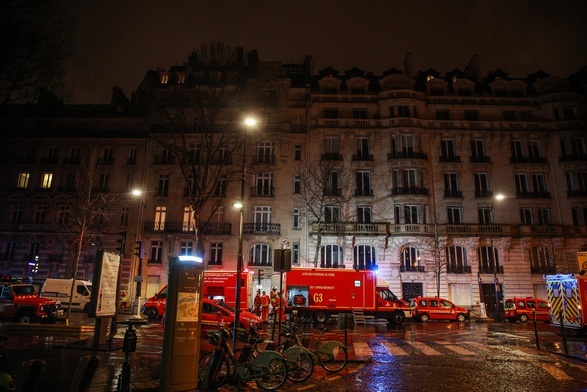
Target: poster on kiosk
x=181, y=336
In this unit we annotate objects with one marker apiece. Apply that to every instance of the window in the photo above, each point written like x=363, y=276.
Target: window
x=509, y=116
x=64, y=212
x=539, y=184
x=477, y=150
x=132, y=157
x=297, y=184
x=411, y=214
x=164, y=78
x=223, y=153
x=124, y=214
x=195, y=153
x=456, y=257
x=471, y=115
x=332, y=188
x=540, y=261
x=363, y=183
x=221, y=185
x=331, y=145
x=451, y=185
x=408, y=144
x=163, y=185
x=41, y=213
x=263, y=184
x=298, y=152
x=188, y=219
x=260, y=254
x=517, y=149
x=364, y=257
x=108, y=157
x=443, y=115
x=363, y=148
x=481, y=185
x=262, y=218
x=447, y=150
x=74, y=157
x=23, y=180
x=454, y=215
x=216, y=253
x=46, y=180
x=103, y=182
x=70, y=182
x=295, y=253
x=17, y=211
x=331, y=256
x=219, y=215
x=331, y=214
x=160, y=212
x=363, y=214
x=129, y=182
x=264, y=152
x=359, y=114
x=485, y=215
x=410, y=178
x=9, y=251
x=579, y=215
x=403, y=111
x=156, y=252
x=578, y=146
x=522, y=187
x=489, y=260
x=331, y=113
x=526, y=216
x=185, y=248
x=296, y=218
x=410, y=260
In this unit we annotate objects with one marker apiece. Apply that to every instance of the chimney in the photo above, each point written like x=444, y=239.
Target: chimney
x=409, y=66
x=473, y=69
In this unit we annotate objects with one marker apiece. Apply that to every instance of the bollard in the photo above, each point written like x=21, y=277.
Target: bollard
x=29, y=375
x=562, y=321
x=84, y=374
x=536, y=329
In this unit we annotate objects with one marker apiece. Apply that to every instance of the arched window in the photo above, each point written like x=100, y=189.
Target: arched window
x=260, y=255
x=541, y=262
x=489, y=260
x=331, y=256
x=411, y=260
x=456, y=257
x=364, y=257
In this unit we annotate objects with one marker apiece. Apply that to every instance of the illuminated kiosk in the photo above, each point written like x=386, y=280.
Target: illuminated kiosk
x=181, y=337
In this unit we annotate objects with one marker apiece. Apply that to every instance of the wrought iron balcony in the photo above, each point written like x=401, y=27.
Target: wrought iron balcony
x=261, y=228
x=362, y=157
x=448, y=193
x=491, y=270
x=528, y=160
x=412, y=190
x=406, y=155
x=533, y=195
x=543, y=269
x=183, y=227
x=363, y=192
x=479, y=159
x=450, y=158
x=412, y=268
x=458, y=269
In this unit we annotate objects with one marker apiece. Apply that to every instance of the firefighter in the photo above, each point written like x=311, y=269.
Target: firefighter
x=280, y=307
x=257, y=303
x=265, y=302
x=274, y=297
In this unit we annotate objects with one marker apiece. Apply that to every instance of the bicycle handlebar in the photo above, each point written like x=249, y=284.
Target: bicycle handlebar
x=131, y=323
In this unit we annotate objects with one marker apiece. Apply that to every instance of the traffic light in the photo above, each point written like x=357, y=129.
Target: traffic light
x=122, y=242
x=139, y=251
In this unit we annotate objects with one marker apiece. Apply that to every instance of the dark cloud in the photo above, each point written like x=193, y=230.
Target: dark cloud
x=118, y=41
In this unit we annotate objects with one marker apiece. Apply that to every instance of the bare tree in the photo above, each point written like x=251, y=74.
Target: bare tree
x=36, y=41
x=199, y=123
x=322, y=197
x=84, y=212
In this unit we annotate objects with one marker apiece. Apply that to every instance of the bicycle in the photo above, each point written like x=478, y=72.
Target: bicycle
x=268, y=369
x=299, y=360
x=331, y=355
x=129, y=345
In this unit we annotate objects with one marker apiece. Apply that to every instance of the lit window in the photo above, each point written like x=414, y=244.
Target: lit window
x=181, y=79
x=47, y=180
x=23, y=180
x=164, y=78
x=188, y=221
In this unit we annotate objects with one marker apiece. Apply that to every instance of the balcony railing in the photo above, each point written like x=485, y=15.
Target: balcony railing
x=261, y=228
x=528, y=160
x=362, y=157
x=412, y=190
x=532, y=195
x=449, y=158
x=466, y=229
x=458, y=269
x=332, y=192
x=453, y=194
x=349, y=228
x=546, y=230
x=573, y=158
x=491, y=270
x=577, y=193
x=363, y=192
x=182, y=227
x=479, y=159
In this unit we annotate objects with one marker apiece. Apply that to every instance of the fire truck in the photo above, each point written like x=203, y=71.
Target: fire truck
x=217, y=285
x=319, y=294
x=567, y=294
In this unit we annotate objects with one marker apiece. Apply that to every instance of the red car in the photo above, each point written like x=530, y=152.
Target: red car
x=426, y=309
x=217, y=314
x=523, y=309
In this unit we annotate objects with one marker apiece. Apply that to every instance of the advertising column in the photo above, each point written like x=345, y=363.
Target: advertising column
x=181, y=337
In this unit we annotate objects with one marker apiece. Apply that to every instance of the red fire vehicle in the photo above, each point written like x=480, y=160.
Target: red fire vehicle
x=218, y=285
x=322, y=293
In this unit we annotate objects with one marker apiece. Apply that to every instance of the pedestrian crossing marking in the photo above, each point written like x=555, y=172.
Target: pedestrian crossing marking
x=459, y=349
x=555, y=372
x=393, y=349
x=426, y=350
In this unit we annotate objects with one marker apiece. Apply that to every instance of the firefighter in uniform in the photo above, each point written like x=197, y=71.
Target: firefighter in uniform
x=265, y=302
x=258, y=303
x=274, y=297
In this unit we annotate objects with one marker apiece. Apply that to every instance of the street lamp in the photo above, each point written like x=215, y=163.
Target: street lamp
x=250, y=122
x=138, y=240
x=498, y=197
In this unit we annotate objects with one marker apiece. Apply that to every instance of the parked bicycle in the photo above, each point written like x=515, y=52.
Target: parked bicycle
x=300, y=361
x=331, y=355
x=268, y=369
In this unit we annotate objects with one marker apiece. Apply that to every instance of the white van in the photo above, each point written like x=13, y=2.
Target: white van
x=60, y=290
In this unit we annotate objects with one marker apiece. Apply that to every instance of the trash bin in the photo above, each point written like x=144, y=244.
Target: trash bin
x=346, y=321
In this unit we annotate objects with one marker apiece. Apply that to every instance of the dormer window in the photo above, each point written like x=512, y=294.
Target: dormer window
x=429, y=78
x=181, y=79
x=357, y=90
x=329, y=90
x=164, y=78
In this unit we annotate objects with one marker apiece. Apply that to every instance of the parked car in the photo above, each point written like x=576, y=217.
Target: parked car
x=523, y=309
x=428, y=308
x=217, y=314
x=21, y=303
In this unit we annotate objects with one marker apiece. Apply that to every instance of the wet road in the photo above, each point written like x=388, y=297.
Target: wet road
x=412, y=357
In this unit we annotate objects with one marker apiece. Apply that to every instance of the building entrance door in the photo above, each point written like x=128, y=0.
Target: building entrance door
x=494, y=308
x=412, y=290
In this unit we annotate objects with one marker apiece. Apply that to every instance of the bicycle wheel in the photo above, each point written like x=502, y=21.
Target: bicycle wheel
x=221, y=374
x=276, y=375
x=332, y=356
x=300, y=368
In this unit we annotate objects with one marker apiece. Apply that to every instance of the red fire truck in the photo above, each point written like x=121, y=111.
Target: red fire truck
x=322, y=293
x=217, y=285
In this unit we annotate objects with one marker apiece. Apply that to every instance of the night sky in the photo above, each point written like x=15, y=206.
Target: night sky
x=118, y=41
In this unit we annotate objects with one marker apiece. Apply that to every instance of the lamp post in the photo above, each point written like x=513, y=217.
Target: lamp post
x=250, y=122
x=493, y=257
x=139, y=276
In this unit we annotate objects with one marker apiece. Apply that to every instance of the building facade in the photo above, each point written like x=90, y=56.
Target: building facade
x=398, y=172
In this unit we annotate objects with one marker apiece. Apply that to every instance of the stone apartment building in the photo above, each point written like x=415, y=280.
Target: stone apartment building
x=397, y=172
